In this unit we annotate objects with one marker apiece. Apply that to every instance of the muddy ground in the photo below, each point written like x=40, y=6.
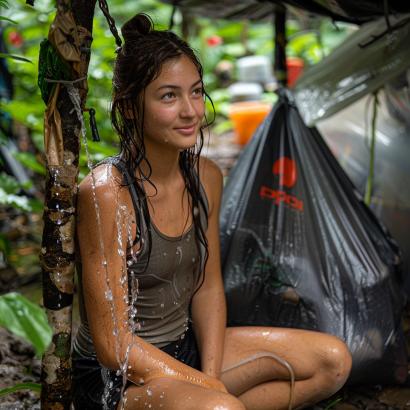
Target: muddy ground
x=17, y=365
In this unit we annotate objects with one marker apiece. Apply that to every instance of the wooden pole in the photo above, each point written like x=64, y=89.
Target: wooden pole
x=57, y=252
x=280, y=69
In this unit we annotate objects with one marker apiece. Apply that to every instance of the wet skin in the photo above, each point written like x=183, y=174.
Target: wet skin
x=174, y=110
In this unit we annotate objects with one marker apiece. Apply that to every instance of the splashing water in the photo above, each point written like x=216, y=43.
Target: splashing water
x=121, y=221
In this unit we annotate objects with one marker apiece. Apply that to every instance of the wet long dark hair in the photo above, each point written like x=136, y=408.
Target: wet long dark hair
x=139, y=61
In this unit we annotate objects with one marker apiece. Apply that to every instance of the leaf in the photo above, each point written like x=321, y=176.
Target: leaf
x=333, y=403
x=14, y=57
x=29, y=160
x=16, y=201
x=25, y=319
x=7, y=19
x=21, y=386
x=4, y=245
x=9, y=184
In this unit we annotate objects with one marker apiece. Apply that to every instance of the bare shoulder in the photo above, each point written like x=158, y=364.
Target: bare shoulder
x=212, y=180
x=101, y=189
x=104, y=180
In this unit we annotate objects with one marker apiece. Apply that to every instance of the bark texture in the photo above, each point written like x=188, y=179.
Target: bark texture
x=58, y=248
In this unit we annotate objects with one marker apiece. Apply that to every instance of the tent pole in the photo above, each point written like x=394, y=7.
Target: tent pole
x=280, y=69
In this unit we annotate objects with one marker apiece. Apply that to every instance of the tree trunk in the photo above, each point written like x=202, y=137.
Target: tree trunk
x=57, y=252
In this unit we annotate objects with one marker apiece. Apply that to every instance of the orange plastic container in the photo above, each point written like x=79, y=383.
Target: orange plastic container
x=246, y=116
x=295, y=67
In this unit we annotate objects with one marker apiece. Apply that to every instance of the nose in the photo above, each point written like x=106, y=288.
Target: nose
x=187, y=108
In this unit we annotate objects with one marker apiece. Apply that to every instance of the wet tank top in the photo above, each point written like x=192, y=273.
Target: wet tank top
x=165, y=288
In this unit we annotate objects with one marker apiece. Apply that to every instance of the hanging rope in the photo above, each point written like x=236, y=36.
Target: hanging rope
x=370, y=178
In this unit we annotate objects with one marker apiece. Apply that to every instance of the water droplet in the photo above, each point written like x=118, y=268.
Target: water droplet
x=108, y=295
x=149, y=391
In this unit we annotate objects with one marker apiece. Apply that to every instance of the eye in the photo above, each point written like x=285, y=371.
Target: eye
x=199, y=92
x=168, y=96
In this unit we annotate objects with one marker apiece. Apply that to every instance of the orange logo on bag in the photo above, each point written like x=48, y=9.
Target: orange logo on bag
x=285, y=168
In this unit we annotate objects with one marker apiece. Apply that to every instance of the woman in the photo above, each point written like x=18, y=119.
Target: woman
x=155, y=315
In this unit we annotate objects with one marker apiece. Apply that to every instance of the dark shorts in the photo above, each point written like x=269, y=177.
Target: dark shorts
x=92, y=384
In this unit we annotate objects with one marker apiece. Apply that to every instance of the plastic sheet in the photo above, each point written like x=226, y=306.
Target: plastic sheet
x=300, y=249
x=343, y=10
x=368, y=59
x=347, y=134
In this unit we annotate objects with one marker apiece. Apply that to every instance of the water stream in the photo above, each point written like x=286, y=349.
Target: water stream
x=123, y=227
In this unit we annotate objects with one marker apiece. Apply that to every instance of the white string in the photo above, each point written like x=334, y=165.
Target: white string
x=283, y=362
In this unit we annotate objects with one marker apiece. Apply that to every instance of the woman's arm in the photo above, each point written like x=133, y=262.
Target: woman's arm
x=208, y=304
x=102, y=247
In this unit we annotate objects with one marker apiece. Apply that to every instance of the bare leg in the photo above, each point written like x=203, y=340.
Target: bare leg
x=321, y=364
x=171, y=394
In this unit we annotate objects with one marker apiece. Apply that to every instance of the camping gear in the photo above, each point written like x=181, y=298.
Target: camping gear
x=257, y=69
x=245, y=92
x=300, y=249
x=246, y=116
x=295, y=67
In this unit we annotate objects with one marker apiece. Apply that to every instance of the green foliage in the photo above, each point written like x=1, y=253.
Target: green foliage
x=15, y=201
x=4, y=247
x=36, y=387
x=331, y=403
x=238, y=38
x=25, y=319
x=10, y=194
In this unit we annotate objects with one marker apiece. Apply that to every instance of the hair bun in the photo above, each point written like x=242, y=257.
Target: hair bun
x=137, y=26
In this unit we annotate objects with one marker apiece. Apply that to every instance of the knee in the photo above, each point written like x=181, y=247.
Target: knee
x=224, y=402
x=337, y=363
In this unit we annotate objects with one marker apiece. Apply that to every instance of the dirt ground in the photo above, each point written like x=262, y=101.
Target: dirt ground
x=18, y=365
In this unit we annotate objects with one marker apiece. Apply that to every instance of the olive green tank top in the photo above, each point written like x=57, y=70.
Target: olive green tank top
x=161, y=311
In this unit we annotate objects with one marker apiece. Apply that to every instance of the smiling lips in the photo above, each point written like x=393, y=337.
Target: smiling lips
x=188, y=130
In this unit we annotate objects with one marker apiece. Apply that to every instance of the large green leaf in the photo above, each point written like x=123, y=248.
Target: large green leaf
x=25, y=319
x=21, y=386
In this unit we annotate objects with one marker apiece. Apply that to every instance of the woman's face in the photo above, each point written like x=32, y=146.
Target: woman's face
x=174, y=105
